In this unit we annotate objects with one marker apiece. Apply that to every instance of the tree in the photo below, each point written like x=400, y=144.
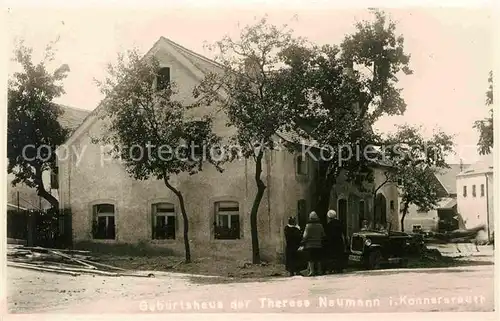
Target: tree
x=414, y=162
x=145, y=116
x=33, y=131
x=485, y=126
x=340, y=91
x=250, y=92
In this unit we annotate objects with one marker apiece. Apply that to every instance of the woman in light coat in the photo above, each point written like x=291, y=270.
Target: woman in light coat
x=312, y=240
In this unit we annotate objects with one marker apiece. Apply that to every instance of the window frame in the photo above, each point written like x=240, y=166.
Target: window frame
x=159, y=75
x=464, y=191
x=482, y=190
x=95, y=220
x=155, y=214
x=229, y=213
x=474, y=194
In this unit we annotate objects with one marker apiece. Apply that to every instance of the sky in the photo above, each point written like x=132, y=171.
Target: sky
x=451, y=50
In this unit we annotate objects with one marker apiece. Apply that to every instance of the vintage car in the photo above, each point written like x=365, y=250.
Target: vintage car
x=371, y=248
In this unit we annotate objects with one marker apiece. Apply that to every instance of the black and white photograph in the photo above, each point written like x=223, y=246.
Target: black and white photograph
x=249, y=157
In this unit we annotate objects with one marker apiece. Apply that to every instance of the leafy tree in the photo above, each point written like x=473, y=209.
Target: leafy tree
x=33, y=131
x=340, y=91
x=250, y=92
x=150, y=131
x=485, y=126
x=414, y=162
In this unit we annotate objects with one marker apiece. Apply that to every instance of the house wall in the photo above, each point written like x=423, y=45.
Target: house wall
x=89, y=177
x=351, y=193
x=428, y=220
x=474, y=209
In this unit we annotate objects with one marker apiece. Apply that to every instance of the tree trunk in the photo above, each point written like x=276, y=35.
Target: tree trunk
x=261, y=187
x=54, y=203
x=326, y=181
x=404, y=211
x=185, y=221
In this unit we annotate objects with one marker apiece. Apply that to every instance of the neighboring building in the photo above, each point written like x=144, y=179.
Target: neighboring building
x=475, y=195
x=444, y=216
x=110, y=207
x=27, y=197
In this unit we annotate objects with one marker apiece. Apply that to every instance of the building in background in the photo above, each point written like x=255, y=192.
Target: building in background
x=444, y=217
x=26, y=197
x=475, y=195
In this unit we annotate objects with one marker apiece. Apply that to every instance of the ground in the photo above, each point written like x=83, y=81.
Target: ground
x=463, y=288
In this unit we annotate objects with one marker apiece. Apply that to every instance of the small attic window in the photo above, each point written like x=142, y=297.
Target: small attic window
x=163, y=78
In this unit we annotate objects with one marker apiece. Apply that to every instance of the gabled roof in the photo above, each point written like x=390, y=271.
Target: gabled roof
x=72, y=117
x=448, y=176
x=197, y=64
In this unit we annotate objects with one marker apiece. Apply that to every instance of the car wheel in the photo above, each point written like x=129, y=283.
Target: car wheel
x=374, y=260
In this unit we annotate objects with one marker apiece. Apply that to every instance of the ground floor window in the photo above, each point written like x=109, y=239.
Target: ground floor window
x=104, y=221
x=163, y=221
x=227, y=221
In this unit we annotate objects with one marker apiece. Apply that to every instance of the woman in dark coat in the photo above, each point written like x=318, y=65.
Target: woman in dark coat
x=313, y=238
x=293, y=236
x=335, y=245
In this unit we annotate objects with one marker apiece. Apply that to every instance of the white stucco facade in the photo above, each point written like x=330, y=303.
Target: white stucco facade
x=475, y=198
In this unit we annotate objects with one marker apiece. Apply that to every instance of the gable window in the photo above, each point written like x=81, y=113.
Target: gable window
x=301, y=165
x=465, y=191
x=482, y=190
x=104, y=221
x=54, y=178
x=227, y=221
x=163, y=221
x=473, y=190
x=163, y=78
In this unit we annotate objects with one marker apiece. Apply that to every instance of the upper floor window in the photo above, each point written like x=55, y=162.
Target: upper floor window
x=465, y=191
x=104, y=221
x=163, y=221
x=301, y=165
x=482, y=189
x=163, y=78
x=227, y=221
x=473, y=190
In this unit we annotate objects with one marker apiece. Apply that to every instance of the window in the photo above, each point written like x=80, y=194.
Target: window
x=473, y=190
x=416, y=228
x=482, y=190
x=104, y=221
x=465, y=191
x=163, y=221
x=54, y=179
x=391, y=205
x=361, y=213
x=163, y=78
x=400, y=182
x=301, y=165
x=227, y=221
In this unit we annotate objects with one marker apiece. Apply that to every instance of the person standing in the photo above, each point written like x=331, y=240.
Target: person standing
x=312, y=240
x=335, y=242
x=293, y=236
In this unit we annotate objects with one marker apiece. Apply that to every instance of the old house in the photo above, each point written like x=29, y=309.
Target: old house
x=444, y=216
x=476, y=196
x=110, y=207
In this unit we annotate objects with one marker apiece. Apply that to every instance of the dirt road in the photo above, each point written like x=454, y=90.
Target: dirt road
x=450, y=289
